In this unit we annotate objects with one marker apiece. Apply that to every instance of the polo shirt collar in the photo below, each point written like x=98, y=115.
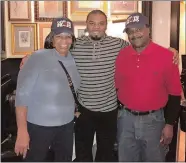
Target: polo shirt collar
x=146, y=51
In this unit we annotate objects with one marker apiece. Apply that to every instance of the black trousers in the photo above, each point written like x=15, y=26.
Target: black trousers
x=105, y=126
x=60, y=139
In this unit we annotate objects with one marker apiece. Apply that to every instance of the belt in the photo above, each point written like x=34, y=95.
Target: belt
x=138, y=112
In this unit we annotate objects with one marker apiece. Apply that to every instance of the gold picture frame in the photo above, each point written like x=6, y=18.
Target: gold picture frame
x=48, y=10
x=80, y=9
x=123, y=7
x=24, y=38
x=120, y=10
x=79, y=29
x=44, y=30
x=19, y=10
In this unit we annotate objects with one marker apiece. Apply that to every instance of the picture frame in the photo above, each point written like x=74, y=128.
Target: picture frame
x=19, y=10
x=120, y=10
x=48, y=10
x=80, y=32
x=78, y=10
x=79, y=29
x=24, y=38
x=44, y=30
x=2, y=32
x=123, y=7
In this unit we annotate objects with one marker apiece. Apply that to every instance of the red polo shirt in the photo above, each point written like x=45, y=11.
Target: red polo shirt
x=145, y=80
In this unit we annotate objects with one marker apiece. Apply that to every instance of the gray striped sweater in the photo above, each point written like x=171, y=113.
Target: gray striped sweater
x=95, y=62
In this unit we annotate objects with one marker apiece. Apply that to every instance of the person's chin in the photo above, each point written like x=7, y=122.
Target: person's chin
x=63, y=51
x=136, y=44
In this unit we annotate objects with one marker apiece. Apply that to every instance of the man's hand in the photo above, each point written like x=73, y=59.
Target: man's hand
x=23, y=61
x=77, y=114
x=22, y=143
x=167, y=134
x=176, y=56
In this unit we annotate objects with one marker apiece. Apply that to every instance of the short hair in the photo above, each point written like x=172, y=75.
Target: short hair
x=96, y=12
x=49, y=41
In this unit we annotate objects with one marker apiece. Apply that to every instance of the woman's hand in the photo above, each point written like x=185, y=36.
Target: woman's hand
x=22, y=143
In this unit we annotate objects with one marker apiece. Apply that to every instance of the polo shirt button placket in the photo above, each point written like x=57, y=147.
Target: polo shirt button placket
x=138, y=61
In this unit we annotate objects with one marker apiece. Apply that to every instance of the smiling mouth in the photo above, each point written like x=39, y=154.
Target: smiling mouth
x=137, y=39
x=63, y=46
x=95, y=33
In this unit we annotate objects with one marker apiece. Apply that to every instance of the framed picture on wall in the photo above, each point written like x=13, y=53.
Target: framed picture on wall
x=44, y=30
x=80, y=9
x=81, y=32
x=48, y=10
x=79, y=29
x=120, y=10
x=2, y=41
x=24, y=38
x=19, y=10
x=123, y=7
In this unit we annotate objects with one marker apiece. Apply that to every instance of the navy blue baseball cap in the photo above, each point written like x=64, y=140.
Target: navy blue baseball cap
x=136, y=20
x=62, y=25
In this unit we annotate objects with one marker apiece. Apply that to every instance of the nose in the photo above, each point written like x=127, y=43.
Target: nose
x=135, y=34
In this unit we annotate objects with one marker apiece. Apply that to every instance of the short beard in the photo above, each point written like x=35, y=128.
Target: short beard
x=95, y=38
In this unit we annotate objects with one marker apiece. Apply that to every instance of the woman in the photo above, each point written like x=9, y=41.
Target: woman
x=44, y=101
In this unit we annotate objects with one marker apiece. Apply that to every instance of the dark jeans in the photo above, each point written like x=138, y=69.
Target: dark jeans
x=139, y=137
x=60, y=139
x=105, y=126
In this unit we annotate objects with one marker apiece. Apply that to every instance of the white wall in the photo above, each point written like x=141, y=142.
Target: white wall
x=182, y=39
x=161, y=17
x=161, y=24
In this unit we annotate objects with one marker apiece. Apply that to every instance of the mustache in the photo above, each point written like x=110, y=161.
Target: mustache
x=135, y=38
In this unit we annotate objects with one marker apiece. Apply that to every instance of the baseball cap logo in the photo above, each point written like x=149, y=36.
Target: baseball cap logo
x=132, y=19
x=64, y=23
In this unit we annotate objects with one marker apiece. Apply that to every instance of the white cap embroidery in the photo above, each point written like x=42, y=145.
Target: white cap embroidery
x=64, y=23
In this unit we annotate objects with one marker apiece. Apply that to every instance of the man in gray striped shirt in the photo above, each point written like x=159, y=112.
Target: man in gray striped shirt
x=95, y=58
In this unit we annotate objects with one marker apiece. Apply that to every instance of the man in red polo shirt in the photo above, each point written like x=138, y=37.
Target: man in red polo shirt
x=146, y=81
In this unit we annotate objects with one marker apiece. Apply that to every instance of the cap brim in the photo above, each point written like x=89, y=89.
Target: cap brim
x=133, y=26
x=63, y=30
